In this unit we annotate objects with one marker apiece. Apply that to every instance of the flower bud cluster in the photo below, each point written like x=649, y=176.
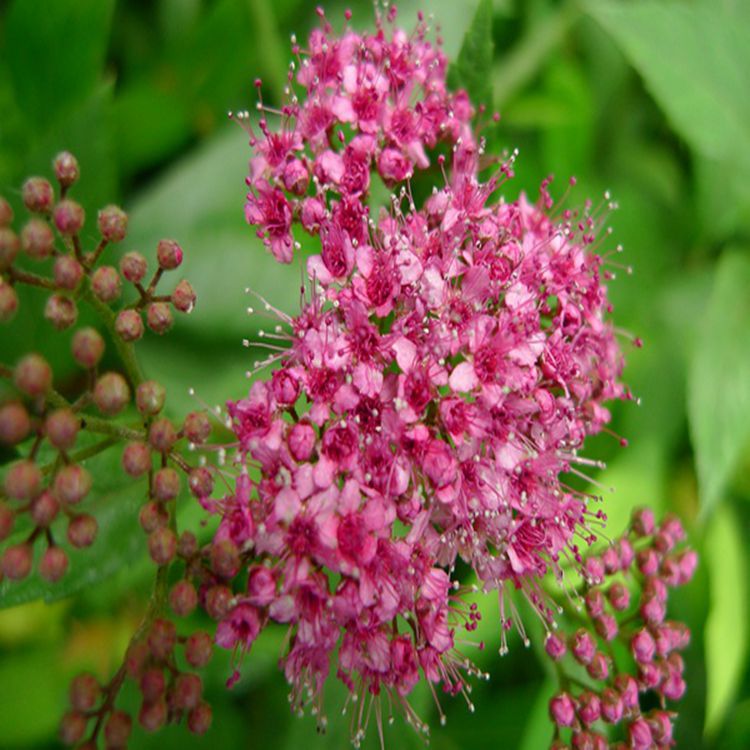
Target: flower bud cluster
x=625, y=601
x=168, y=693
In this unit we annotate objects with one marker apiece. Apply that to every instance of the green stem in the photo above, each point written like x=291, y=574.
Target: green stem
x=124, y=349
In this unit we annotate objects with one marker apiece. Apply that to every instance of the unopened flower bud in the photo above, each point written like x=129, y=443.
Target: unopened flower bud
x=218, y=601
x=162, y=435
x=200, y=718
x=652, y=610
x=606, y=627
x=589, y=707
x=187, y=546
x=69, y=217
x=598, y=668
x=68, y=272
x=150, y=397
x=166, y=484
x=113, y=223
x=183, y=598
x=117, y=730
x=135, y=659
x=72, y=483
x=619, y=596
x=169, y=254
x=129, y=325
x=198, y=649
x=15, y=423
x=643, y=522
x=582, y=646
x=111, y=393
x=643, y=646
x=159, y=317
x=594, y=603
x=153, y=716
x=72, y=728
x=162, y=638
x=82, y=531
x=9, y=247
x=136, y=459
x=225, y=558
x=201, y=482
x=687, y=562
x=639, y=735
x=611, y=706
x=87, y=347
x=197, y=427
x=183, y=297
x=187, y=691
x=162, y=545
x=562, y=710
x=66, y=169
x=152, y=683
x=648, y=562
x=23, y=480
x=61, y=311
x=17, y=561
x=44, y=509
x=33, y=376
x=555, y=647
x=153, y=516
x=38, y=195
x=37, y=239
x=6, y=213
x=53, y=565
x=8, y=302
x=106, y=284
x=61, y=428
x=133, y=267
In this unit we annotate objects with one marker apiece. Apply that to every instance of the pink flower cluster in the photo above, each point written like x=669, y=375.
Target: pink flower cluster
x=431, y=394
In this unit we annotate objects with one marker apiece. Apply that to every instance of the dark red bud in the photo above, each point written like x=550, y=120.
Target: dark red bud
x=129, y=325
x=8, y=302
x=14, y=423
x=133, y=267
x=201, y=482
x=6, y=213
x=136, y=459
x=159, y=317
x=198, y=649
x=17, y=561
x=162, y=435
x=169, y=255
x=61, y=311
x=162, y=545
x=61, y=428
x=113, y=223
x=166, y=484
x=66, y=169
x=72, y=727
x=82, y=531
x=9, y=247
x=38, y=195
x=72, y=484
x=183, y=297
x=106, y=283
x=33, y=376
x=37, y=239
x=87, y=347
x=44, y=509
x=69, y=217
x=150, y=397
x=23, y=480
x=197, y=427
x=111, y=393
x=200, y=718
x=162, y=638
x=68, y=272
x=183, y=598
x=117, y=730
x=53, y=565
x=153, y=516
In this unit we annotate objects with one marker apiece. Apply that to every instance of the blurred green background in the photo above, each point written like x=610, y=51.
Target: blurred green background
x=650, y=100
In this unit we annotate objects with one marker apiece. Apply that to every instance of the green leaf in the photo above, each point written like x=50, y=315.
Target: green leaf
x=200, y=203
x=114, y=500
x=695, y=61
x=538, y=731
x=473, y=66
x=726, y=627
x=718, y=377
x=56, y=53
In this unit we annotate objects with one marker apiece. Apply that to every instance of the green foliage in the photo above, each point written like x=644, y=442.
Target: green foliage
x=718, y=395
x=727, y=627
x=648, y=99
x=471, y=69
